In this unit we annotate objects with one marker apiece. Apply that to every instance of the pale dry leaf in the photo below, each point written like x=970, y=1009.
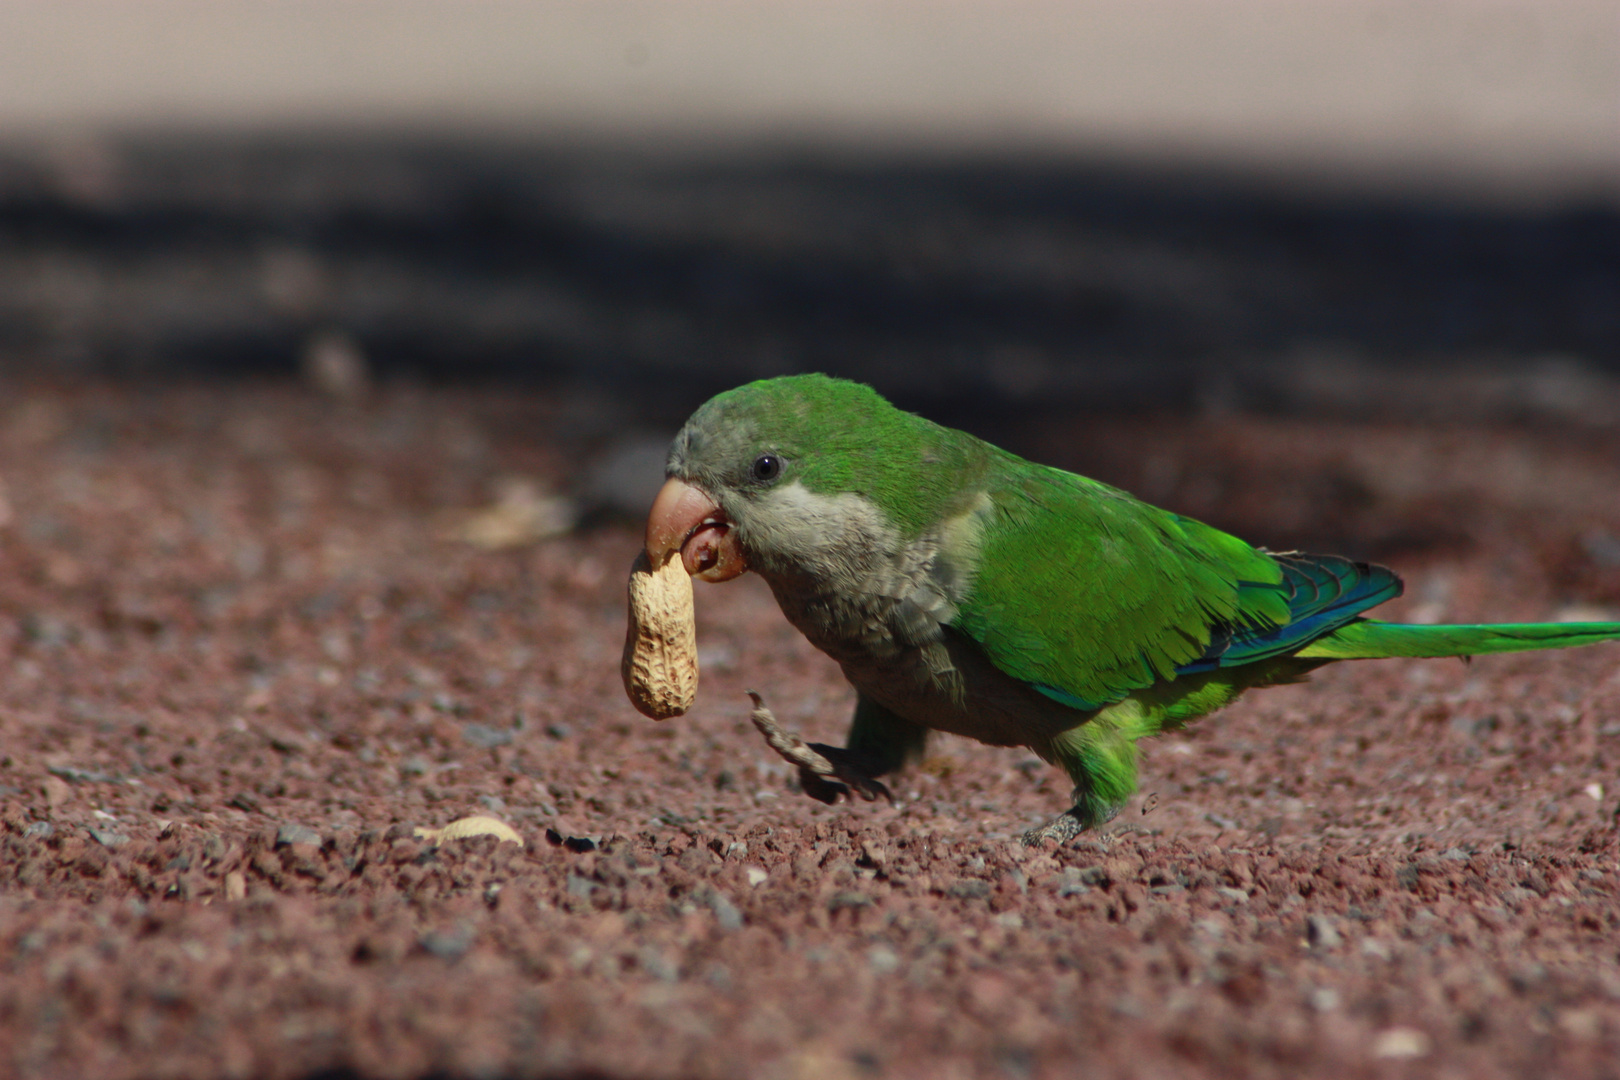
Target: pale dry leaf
x=521, y=514
x=467, y=827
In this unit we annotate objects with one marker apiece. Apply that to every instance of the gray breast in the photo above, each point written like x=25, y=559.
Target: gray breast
x=882, y=607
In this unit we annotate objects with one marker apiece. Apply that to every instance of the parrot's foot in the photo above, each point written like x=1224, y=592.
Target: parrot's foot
x=825, y=772
x=1063, y=828
x=1067, y=825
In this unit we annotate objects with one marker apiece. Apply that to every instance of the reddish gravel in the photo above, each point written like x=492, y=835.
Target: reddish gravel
x=242, y=664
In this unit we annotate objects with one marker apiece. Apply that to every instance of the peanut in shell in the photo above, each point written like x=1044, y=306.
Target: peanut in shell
x=660, y=665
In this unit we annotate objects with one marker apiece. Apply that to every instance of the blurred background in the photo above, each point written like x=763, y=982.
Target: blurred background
x=1360, y=206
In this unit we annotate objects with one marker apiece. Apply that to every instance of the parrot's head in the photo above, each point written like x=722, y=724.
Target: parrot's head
x=763, y=476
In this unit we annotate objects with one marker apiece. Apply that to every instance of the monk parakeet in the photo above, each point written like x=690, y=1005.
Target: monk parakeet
x=964, y=589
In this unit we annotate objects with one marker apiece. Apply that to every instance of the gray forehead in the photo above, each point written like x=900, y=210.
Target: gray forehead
x=709, y=438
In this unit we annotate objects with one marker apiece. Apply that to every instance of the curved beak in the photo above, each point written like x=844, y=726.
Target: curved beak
x=687, y=519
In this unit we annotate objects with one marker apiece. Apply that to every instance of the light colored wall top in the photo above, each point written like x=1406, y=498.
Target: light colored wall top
x=1512, y=98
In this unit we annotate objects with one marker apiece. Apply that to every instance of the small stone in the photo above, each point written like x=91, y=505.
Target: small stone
x=653, y=961
x=1321, y=933
x=848, y=900
x=1324, y=999
x=755, y=876
x=1401, y=1042
x=235, y=886
x=716, y=657
x=883, y=959
x=725, y=912
x=448, y=945
x=968, y=889
x=57, y=792
x=1236, y=896
x=82, y=776
x=39, y=829
x=1584, y=1024
x=485, y=737
x=1071, y=883
x=290, y=834
x=109, y=839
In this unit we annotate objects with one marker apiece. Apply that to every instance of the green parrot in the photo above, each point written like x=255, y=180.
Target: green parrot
x=964, y=589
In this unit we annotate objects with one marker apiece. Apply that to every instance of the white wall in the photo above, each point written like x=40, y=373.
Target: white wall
x=1515, y=98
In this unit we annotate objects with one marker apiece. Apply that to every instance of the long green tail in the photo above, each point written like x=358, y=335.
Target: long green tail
x=1369, y=639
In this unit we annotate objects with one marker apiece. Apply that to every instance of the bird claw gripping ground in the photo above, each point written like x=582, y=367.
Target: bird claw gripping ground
x=825, y=772
x=1063, y=828
x=1066, y=826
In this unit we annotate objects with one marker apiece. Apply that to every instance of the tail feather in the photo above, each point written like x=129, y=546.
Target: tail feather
x=1369, y=639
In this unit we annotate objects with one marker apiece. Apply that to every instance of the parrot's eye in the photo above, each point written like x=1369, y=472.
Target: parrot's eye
x=766, y=467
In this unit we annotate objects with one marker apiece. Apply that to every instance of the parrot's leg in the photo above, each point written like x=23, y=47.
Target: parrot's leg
x=825, y=772
x=883, y=742
x=1100, y=757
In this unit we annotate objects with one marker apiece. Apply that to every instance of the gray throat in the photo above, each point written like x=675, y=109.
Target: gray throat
x=882, y=607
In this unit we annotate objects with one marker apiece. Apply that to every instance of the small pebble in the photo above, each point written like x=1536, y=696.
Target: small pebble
x=485, y=737
x=1401, y=1042
x=725, y=912
x=883, y=959
x=1321, y=933
x=297, y=834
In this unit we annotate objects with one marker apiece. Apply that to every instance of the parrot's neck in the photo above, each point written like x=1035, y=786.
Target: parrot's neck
x=844, y=575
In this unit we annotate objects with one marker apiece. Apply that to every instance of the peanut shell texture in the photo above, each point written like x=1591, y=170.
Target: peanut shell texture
x=660, y=665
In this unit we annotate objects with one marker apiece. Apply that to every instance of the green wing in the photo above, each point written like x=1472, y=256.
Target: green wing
x=1088, y=593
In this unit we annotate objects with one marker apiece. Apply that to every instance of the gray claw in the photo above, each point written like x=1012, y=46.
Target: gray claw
x=821, y=768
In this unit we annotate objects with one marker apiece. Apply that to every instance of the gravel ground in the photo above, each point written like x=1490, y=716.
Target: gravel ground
x=246, y=656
